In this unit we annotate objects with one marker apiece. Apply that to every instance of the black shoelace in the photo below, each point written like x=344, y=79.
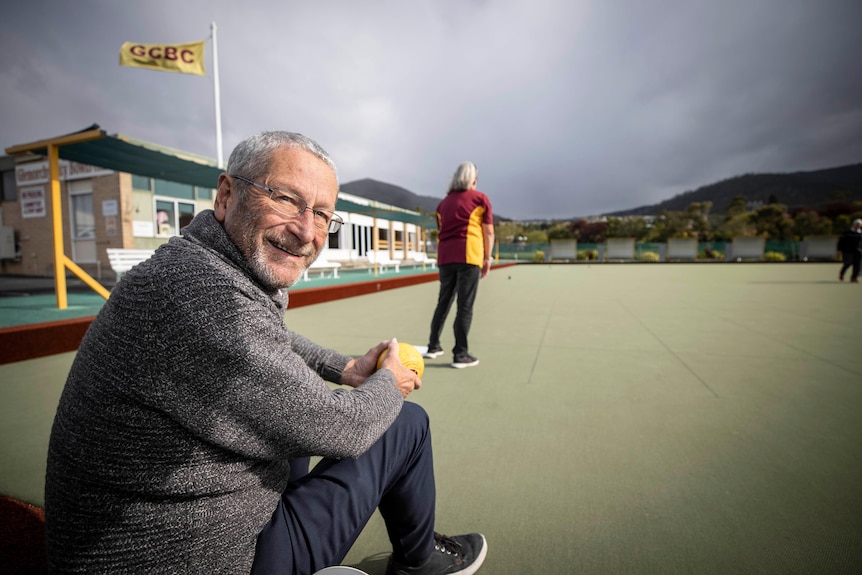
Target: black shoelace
x=446, y=544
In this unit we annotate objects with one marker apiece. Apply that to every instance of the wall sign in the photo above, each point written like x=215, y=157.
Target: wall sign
x=40, y=172
x=32, y=202
x=110, y=208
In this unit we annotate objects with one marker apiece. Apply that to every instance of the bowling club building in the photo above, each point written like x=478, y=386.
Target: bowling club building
x=117, y=192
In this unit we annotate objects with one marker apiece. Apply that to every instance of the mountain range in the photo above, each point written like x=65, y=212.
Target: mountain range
x=816, y=189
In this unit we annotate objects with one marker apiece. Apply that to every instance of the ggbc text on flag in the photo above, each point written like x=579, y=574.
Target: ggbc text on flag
x=184, y=58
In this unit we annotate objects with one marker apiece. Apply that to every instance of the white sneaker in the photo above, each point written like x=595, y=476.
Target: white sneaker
x=464, y=360
x=431, y=353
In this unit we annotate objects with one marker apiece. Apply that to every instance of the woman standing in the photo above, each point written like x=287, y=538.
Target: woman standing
x=465, y=239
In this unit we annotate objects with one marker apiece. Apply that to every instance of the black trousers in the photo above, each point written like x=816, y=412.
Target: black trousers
x=321, y=514
x=461, y=280
x=853, y=259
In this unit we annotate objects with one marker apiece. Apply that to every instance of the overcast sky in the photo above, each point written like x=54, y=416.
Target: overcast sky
x=568, y=107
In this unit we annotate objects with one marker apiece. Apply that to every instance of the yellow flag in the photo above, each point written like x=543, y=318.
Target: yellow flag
x=184, y=58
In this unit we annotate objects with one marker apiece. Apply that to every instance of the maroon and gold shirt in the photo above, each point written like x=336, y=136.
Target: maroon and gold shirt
x=459, y=220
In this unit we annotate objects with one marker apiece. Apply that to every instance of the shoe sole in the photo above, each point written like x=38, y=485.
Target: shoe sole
x=480, y=558
x=463, y=365
x=432, y=354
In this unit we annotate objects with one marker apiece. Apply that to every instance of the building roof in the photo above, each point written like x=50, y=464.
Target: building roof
x=94, y=147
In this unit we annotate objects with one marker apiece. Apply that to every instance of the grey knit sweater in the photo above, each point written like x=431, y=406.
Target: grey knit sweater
x=185, y=401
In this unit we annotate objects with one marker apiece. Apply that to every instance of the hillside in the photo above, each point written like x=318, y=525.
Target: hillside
x=812, y=189
x=392, y=195
x=397, y=196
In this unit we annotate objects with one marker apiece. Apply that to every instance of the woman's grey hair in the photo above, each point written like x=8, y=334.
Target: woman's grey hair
x=251, y=158
x=464, y=177
x=857, y=222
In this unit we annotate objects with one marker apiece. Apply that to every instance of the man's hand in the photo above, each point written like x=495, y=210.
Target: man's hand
x=406, y=379
x=359, y=369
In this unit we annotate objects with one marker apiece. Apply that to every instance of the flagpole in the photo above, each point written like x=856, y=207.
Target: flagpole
x=216, y=97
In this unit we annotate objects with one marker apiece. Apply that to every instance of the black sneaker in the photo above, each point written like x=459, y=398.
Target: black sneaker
x=463, y=360
x=433, y=351
x=462, y=554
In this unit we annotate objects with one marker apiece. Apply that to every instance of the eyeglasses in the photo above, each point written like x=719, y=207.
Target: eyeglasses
x=291, y=205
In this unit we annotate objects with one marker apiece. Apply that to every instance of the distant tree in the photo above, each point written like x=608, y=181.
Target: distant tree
x=508, y=231
x=796, y=210
x=628, y=228
x=808, y=223
x=736, y=207
x=698, y=214
x=658, y=232
x=537, y=237
x=842, y=223
x=589, y=232
x=672, y=225
x=739, y=226
x=694, y=222
x=772, y=222
x=560, y=232
x=838, y=208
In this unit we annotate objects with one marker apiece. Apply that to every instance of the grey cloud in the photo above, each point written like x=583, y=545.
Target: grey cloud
x=569, y=108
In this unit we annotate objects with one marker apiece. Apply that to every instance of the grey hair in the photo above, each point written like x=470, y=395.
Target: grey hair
x=251, y=158
x=857, y=222
x=464, y=177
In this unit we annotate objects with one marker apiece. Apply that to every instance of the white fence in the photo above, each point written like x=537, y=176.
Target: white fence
x=682, y=249
x=620, y=249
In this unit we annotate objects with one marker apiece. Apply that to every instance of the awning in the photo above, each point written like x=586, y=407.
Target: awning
x=385, y=212
x=124, y=154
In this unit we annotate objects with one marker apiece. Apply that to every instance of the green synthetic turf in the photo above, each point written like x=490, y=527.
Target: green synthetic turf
x=42, y=308
x=623, y=419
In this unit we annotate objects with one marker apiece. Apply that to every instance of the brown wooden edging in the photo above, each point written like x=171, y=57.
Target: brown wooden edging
x=23, y=342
